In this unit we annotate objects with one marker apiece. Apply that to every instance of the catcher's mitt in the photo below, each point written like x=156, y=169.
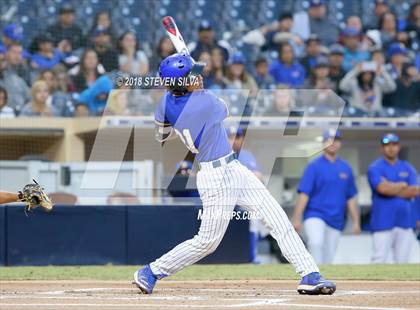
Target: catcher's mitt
x=33, y=195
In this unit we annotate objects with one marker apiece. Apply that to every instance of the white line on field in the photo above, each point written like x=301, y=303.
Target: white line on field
x=243, y=305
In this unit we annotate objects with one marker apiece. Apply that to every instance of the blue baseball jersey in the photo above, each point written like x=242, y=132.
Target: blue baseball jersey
x=248, y=159
x=197, y=118
x=329, y=185
x=389, y=212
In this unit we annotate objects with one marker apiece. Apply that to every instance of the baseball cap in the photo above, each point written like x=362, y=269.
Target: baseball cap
x=350, y=32
x=313, y=37
x=99, y=31
x=390, y=138
x=397, y=48
x=13, y=32
x=237, y=58
x=204, y=25
x=321, y=61
x=336, y=49
x=313, y=3
x=331, y=133
x=232, y=130
x=66, y=8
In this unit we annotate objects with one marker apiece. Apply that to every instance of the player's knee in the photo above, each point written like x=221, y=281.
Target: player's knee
x=207, y=246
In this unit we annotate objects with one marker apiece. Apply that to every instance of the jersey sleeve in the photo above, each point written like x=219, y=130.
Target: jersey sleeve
x=217, y=109
x=374, y=177
x=413, y=177
x=307, y=182
x=351, y=189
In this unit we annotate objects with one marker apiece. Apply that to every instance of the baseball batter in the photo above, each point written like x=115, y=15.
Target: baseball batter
x=196, y=116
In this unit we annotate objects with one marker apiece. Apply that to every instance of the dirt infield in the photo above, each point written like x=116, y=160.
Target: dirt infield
x=169, y=294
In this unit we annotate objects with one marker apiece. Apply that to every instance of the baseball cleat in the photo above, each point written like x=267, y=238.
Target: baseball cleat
x=315, y=284
x=145, y=280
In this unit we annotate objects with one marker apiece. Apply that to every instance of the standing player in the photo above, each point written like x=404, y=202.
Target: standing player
x=394, y=184
x=326, y=190
x=196, y=116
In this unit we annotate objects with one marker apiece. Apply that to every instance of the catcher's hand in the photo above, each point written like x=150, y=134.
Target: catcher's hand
x=33, y=195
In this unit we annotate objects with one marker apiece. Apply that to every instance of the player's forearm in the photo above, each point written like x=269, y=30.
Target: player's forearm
x=391, y=189
x=8, y=197
x=409, y=192
x=300, y=206
x=353, y=211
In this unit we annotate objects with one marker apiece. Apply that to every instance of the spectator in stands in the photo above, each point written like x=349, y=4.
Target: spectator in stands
x=17, y=89
x=237, y=77
x=87, y=72
x=354, y=22
x=407, y=94
x=394, y=184
x=132, y=59
x=318, y=23
x=218, y=67
x=163, y=50
x=378, y=57
x=5, y=110
x=283, y=101
x=179, y=187
x=38, y=106
x=13, y=34
x=263, y=79
x=45, y=56
x=319, y=77
x=372, y=40
x=81, y=110
x=413, y=22
x=388, y=28
x=207, y=41
x=59, y=99
x=95, y=96
x=336, y=71
x=208, y=73
x=270, y=36
x=326, y=191
x=121, y=198
x=381, y=7
x=66, y=29
x=397, y=55
x=353, y=53
x=102, y=45
x=102, y=20
x=287, y=70
x=366, y=83
x=312, y=52
x=16, y=63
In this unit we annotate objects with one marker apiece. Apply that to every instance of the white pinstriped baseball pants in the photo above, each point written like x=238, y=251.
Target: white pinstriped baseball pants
x=220, y=190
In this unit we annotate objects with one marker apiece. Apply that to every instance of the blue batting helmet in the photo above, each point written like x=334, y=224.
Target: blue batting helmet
x=178, y=66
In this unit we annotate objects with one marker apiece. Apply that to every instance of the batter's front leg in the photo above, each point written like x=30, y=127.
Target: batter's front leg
x=210, y=234
x=257, y=198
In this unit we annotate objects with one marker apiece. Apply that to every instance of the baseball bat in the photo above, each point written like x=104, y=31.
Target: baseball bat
x=174, y=35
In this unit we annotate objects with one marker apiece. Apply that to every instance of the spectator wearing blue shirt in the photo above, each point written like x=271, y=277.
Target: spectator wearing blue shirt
x=327, y=188
x=95, y=97
x=45, y=56
x=353, y=53
x=287, y=70
x=394, y=184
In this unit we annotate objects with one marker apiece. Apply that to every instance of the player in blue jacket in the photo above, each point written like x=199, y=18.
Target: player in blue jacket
x=394, y=185
x=326, y=191
x=196, y=117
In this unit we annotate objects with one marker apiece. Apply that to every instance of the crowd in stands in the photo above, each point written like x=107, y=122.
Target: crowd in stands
x=304, y=59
